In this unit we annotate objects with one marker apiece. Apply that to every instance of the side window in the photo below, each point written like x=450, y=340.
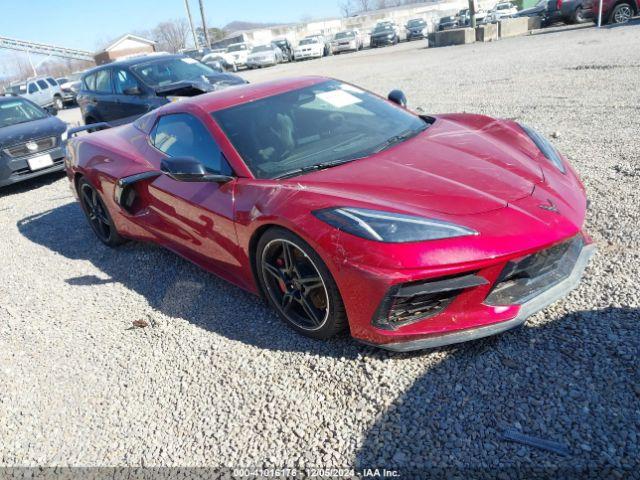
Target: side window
x=183, y=135
x=52, y=82
x=90, y=82
x=33, y=88
x=122, y=80
x=42, y=84
x=103, y=81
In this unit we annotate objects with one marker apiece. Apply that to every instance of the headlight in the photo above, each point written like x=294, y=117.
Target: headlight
x=64, y=136
x=390, y=35
x=546, y=147
x=389, y=227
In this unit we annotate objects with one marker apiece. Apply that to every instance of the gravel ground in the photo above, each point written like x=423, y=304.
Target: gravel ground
x=217, y=379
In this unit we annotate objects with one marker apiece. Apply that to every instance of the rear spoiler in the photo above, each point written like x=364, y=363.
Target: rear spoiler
x=93, y=126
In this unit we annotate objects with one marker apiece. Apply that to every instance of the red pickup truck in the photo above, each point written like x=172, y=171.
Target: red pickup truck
x=613, y=11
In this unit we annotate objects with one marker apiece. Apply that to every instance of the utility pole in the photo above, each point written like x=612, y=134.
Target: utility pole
x=599, y=22
x=204, y=25
x=193, y=30
x=472, y=13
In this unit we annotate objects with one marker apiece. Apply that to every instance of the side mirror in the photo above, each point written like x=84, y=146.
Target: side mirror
x=52, y=111
x=397, y=96
x=132, y=91
x=190, y=170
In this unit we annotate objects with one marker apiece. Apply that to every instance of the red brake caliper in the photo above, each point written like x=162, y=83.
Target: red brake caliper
x=281, y=284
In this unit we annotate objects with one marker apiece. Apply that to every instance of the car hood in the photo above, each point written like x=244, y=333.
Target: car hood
x=383, y=34
x=460, y=165
x=195, y=87
x=261, y=55
x=22, y=132
x=529, y=11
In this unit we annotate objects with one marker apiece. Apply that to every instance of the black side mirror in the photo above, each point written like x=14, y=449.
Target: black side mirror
x=52, y=110
x=397, y=96
x=190, y=170
x=132, y=91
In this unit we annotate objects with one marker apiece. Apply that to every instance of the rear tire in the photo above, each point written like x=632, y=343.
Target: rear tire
x=98, y=215
x=578, y=16
x=298, y=285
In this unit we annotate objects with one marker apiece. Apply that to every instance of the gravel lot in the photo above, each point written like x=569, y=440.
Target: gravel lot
x=218, y=380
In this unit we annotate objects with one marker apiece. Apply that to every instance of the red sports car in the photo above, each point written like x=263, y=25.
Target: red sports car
x=344, y=209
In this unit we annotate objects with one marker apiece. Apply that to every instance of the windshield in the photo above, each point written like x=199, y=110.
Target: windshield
x=236, y=48
x=325, y=123
x=166, y=72
x=344, y=35
x=382, y=28
x=19, y=111
x=262, y=48
x=308, y=41
x=416, y=23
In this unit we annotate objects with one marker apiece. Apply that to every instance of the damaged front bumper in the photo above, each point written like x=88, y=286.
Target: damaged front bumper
x=532, y=305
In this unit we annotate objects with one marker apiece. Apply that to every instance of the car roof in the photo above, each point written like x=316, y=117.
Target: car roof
x=241, y=94
x=128, y=62
x=9, y=98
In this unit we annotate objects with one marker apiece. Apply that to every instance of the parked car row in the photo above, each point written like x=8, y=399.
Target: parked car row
x=550, y=12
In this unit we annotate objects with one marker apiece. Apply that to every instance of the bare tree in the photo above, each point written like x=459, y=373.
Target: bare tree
x=346, y=8
x=365, y=5
x=171, y=35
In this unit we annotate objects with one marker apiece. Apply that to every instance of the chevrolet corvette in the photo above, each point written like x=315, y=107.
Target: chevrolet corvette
x=345, y=210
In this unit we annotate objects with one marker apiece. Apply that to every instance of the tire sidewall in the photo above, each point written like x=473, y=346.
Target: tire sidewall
x=335, y=321
x=615, y=10
x=115, y=238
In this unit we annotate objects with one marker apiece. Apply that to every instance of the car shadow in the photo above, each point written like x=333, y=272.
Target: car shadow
x=630, y=23
x=175, y=287
x=573, y=380
x=32, y=183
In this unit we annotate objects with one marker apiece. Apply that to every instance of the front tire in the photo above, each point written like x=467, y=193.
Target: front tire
x=621, y=14
x=97, y=215
x=58, y=103
x=298, y=284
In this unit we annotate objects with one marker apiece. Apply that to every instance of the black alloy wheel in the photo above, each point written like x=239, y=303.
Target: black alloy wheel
x=298, y=284
x=97, y=214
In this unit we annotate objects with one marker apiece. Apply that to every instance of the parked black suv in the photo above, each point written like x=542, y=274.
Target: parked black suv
x=31, y=140
x=123, y=90
x=384, y=34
